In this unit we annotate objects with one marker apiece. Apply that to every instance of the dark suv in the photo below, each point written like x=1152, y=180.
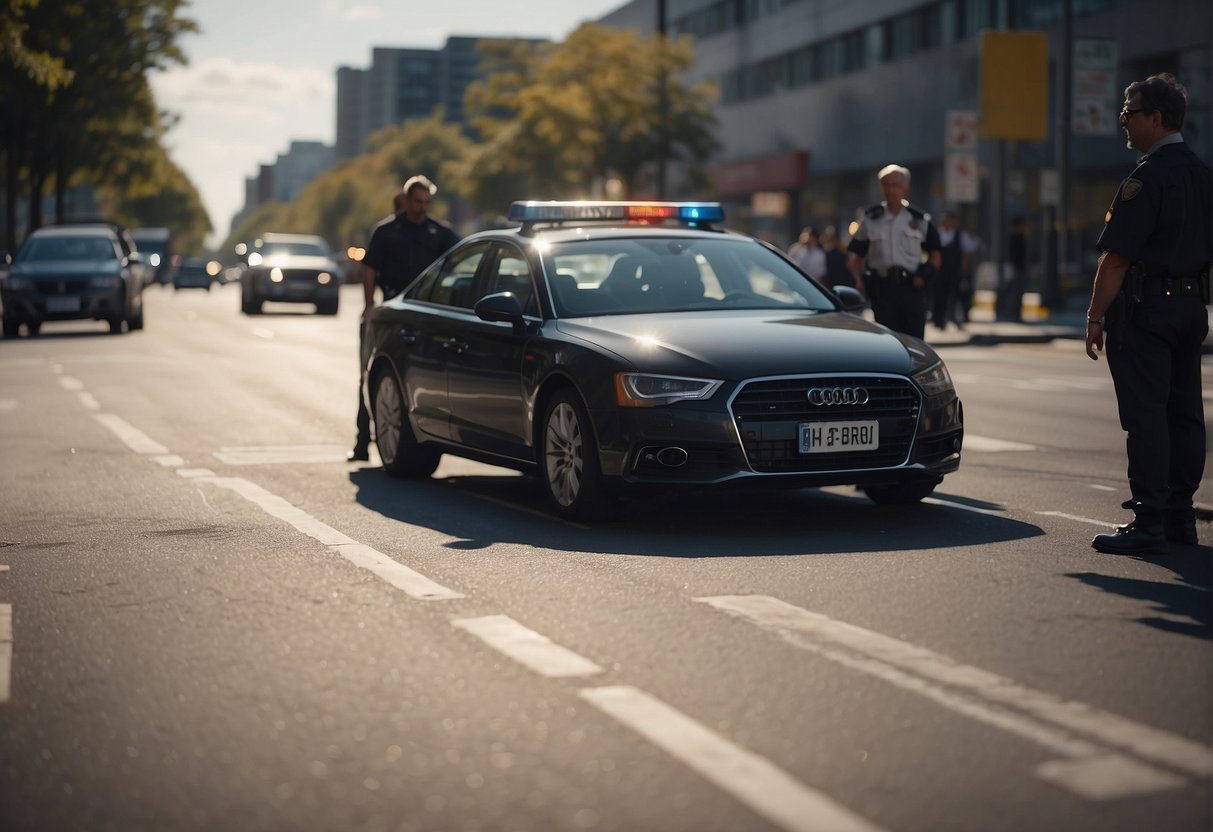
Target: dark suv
x=74, y=272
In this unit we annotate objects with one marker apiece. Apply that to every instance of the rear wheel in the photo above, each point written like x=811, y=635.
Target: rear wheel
x=569, y=466
x=401, y=453
x=900, y=493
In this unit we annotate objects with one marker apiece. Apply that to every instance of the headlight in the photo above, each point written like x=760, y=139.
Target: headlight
x=934, y=380
x=109, y=281
x=323, y=278
x=643, y=390
x=276, y=274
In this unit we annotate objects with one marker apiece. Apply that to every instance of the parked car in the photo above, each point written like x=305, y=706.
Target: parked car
x=193, y=273
x=612, y=349
x=74, y=272
x=155, y=246
x=294, y=268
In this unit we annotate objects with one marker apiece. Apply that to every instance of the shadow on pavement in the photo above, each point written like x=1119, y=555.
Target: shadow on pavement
x=482, y=511
x=1187, y=596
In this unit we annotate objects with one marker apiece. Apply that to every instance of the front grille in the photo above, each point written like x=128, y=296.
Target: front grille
x=61, y=287
x=768, y=414
x=300, y=275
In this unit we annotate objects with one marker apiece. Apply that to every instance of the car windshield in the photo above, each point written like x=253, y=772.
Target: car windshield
x=634, y=275
x=66, y=248
x=300, y=248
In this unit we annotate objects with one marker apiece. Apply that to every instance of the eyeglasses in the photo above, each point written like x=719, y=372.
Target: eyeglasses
x=1127, y=114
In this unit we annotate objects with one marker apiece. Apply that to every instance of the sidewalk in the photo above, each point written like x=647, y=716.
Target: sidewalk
x=983, y=330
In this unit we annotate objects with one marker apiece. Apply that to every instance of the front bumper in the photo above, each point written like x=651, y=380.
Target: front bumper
x=752, y=439
x=295, y=287
x=79, y=305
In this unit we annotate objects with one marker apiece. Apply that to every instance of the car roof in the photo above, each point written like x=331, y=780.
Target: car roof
x=283, y=237
x=598, y=231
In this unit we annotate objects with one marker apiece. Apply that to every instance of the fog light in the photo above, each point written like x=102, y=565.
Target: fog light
x=323, y=278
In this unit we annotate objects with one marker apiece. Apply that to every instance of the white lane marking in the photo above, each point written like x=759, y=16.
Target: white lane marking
x=6, y=652
x=1106, y=777
x=195, y=473
x=410, y=582
x=262, y=332
x=527, y=647
x=1079, y=718
x=3, y=567
x=87, y=400
x=1093, y=522
x=936, y=501
x=69, y=383
x=1101, y=487
x=986, y=444
x=135, y=439
x=753, y=780
x=170, y=461
x=281, y=454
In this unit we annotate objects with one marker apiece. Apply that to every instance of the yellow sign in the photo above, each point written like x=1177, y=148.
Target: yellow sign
x=1014, y=85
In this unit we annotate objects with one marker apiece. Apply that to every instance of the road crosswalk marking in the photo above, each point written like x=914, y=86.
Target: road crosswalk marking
x=1097, y=767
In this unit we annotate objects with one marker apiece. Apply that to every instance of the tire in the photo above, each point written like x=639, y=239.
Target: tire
x=901, y=493
x=115, y=326
x=250, y=306
x=135, y=322
x=569, y=462
x=11, y=328
x=402, y=455
x=326, y=307
x=33, y=327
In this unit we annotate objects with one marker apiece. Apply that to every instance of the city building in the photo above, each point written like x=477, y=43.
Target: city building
x=817, y=95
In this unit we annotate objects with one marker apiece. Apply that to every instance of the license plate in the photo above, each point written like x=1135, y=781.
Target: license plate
x=68, y=304
x=837, y=437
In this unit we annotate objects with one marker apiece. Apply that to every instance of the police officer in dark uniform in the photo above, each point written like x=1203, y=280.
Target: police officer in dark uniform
x=893, y=255
x=400, y=249
x=1148, y=310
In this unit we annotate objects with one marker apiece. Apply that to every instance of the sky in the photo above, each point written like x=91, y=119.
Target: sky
x=262, y=73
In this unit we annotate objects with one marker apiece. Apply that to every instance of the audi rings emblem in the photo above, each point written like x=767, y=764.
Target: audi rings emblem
x=828, y=396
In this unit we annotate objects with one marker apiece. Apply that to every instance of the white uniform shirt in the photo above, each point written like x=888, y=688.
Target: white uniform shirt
x=895, y=239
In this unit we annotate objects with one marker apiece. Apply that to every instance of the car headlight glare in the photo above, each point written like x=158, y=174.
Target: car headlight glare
x=324, y=278
x=646, y=390
x=276, y=274
x=934, y=380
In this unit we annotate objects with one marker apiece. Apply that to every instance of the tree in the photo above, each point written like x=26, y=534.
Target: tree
x=605, y=103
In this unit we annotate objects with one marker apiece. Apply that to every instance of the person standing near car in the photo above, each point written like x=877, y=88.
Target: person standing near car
x=401, y=247
x=1148, y=311
x=894, y=254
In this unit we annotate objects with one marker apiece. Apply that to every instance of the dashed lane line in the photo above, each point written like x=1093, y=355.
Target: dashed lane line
x=753, y=780
x=1088, y=770
x=131, y=436
x=527, y=647
x=6, y=652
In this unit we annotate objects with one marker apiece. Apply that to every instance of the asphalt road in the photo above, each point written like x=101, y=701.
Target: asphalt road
x=208, y=619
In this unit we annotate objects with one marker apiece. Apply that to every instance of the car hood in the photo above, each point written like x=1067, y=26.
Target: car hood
x=65, y=268
x=298, y=261
x=747, y=343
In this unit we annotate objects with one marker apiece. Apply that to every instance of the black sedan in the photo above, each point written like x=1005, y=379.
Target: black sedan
x=614, y=348
x=290, y=268
x=73, y=272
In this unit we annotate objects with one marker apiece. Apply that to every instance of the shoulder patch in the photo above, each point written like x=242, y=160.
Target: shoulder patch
x=875, y=212
x=1130, y=189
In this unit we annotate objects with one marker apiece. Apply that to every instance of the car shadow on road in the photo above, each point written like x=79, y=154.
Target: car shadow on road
x=1184, y=597
x=480, y=511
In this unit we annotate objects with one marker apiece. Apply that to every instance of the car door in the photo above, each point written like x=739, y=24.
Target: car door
x=485, y=375
x=425, y=325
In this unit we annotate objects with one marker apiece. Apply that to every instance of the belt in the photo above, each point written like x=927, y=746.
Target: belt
x=1171, y=286
x=894, y=273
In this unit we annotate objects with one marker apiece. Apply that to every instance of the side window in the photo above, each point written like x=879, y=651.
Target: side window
x=451, y=283
x=513, y=274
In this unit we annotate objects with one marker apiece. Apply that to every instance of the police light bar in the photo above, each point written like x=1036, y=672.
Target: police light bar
x=689, y=212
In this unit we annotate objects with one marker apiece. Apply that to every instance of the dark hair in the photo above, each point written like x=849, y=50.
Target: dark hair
x=1163, y=93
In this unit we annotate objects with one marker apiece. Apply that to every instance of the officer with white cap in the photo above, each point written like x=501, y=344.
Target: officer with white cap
x=893, y=255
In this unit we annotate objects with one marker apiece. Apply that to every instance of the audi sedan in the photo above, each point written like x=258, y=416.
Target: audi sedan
x=612, y=349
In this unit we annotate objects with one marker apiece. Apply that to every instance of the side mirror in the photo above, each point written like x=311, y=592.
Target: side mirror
x=852, y=299
x=503, y=307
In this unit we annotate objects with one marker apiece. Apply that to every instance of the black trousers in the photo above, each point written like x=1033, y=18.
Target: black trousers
x=898, y=305
x=945, y=291
x=1154, y=356
x=364, y=415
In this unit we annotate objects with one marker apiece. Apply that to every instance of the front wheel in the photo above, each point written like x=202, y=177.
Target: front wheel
x=401, y=453
x=570, y=461
x=11, y=328
x=901, y=493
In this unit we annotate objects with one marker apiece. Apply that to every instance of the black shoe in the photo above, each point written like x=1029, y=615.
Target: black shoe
x=361, y=453
x=1132, y=539
x=1183, y=533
